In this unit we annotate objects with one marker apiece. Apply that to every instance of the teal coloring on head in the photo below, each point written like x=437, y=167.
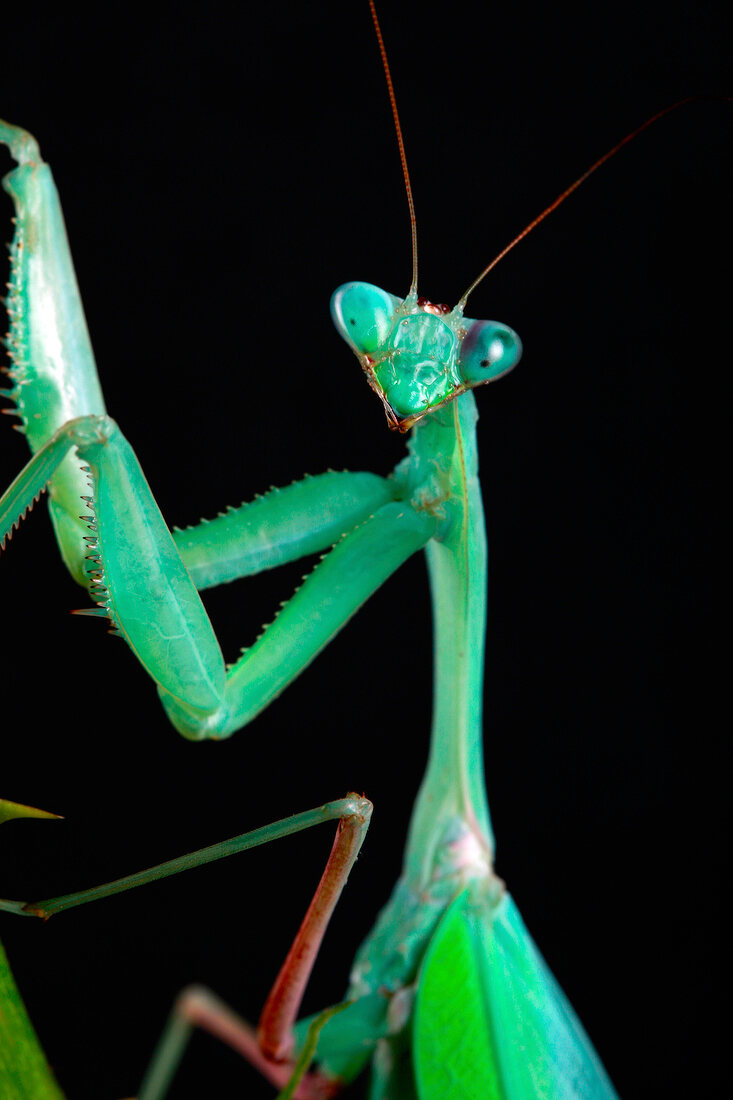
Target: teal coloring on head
x=417, y=355
x=488, y=350
x=419, y=371
x=364, y=315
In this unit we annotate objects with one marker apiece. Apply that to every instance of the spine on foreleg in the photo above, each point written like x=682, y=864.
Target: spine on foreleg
x=51, y=360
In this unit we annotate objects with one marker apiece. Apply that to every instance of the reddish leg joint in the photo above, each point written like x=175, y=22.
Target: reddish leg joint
x=275, y=1030
x=200, y=1008
x=270, y=1049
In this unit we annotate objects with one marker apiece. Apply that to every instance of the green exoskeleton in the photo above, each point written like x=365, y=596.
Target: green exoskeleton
x=448, y=996
x=451, y=930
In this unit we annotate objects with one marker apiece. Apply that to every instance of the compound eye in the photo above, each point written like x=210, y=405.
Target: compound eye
x=363, y=314
x=488, y=350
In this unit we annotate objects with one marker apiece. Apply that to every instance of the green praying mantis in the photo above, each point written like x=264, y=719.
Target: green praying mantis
x=352, y=884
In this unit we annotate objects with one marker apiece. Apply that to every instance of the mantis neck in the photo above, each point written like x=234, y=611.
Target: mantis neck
x=450, y=840
x=450, y=830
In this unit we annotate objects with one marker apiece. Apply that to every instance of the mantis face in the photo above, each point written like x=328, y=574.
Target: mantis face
x=417, y=356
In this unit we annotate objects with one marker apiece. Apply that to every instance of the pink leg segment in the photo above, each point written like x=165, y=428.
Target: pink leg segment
x=200, y=1008
x=275, y=1030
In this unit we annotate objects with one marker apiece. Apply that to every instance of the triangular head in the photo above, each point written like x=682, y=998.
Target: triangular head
x=416, y=355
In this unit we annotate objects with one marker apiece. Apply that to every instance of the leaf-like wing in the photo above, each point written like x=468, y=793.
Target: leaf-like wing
x=491, y=1022
x=454, y=1044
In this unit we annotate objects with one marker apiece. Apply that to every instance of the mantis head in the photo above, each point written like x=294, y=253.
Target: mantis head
x=417, y=356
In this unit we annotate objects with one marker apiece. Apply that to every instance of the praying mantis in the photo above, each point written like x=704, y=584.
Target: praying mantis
x=337, y=409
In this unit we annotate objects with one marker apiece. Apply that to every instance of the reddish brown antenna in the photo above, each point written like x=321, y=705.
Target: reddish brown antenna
x=573, y=187
x=401, y=144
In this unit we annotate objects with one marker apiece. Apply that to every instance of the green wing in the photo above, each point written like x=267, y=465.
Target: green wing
x=491, y=1022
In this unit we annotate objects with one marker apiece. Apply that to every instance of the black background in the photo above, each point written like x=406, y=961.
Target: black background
x=220, y=174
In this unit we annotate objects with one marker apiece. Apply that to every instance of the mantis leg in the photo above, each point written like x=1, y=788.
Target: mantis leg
x=199, y=1007
x=52, y=364
x=130, y=562
x=306, y=517
x=140, y=581
x=272, y=1048
x=27, y=487
x=55, y=381
x=329, y=596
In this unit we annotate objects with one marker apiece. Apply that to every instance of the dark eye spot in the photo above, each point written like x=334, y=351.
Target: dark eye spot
x=485, y=362
x=352, y=320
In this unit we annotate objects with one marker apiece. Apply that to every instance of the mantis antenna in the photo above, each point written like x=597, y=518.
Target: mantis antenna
x=540, y=217
x=401, y=144
x=574, y=186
